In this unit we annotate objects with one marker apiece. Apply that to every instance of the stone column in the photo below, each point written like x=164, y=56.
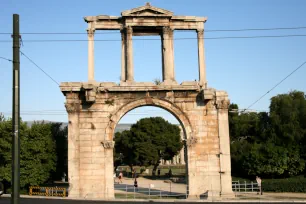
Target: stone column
x=168, y=69
x=222, y=104
x=172, y=54
x=73, y=146
x=129, y=54
x=123, y=55
x=201, y=58
x=91, y=66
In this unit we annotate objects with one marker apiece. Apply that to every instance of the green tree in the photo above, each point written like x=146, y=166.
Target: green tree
x=37, y=153
x=271, y=145
x=288, y=122
x=149, y=141
x=38, y=156
x=60, y=135
x=6, y=147
x=125, y=153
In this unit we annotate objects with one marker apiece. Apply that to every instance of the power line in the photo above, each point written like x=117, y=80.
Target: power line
x=143, y=112
x=256, y=29
x=155, y=39
x=50, y=33
x=276, y=85
x=39, y=68
x=205, y=30
x=6, y=59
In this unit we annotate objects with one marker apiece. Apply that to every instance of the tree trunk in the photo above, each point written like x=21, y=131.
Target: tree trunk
x=155, y=168
x=132, y=169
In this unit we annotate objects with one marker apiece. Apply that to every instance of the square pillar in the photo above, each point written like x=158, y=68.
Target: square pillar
x=222, y=104
x=91, y=68
x=73, y=145
x=201, y=58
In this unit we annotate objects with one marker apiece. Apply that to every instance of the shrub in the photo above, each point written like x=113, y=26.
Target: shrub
x=285, y=185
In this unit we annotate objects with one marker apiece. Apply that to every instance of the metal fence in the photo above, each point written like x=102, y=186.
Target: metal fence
x=244, y=186
x=47, y=191
x=155, y=192
x=150, y=192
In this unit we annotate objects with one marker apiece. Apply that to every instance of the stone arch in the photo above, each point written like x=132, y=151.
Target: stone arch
x=150, y=101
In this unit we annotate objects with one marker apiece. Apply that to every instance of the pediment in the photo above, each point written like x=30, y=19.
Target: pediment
x=147, y=10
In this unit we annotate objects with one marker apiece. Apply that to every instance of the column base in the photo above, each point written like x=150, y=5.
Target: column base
x=203, y=84
x=133, y=83
x=168, y=82
x=127, y=83
x=228, y=195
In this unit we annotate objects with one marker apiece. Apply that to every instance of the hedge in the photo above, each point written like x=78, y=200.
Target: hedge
x=297, y=185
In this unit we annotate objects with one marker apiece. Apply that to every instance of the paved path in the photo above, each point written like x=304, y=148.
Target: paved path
x=6, y=200
x=157, y=185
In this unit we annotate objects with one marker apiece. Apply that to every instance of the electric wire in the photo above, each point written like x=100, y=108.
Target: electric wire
x=205, y=30
x=6, y=59
x=155, y=39
x=39, y=68
x=275, y=85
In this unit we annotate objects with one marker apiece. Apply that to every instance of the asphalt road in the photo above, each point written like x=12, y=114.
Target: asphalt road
x=6, y=200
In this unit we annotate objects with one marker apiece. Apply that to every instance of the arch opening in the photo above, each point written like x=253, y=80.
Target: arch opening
x=177, y=168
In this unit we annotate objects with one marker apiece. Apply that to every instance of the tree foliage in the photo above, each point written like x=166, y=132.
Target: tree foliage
x=270, y=145
x=37, y=153
x=147, y=142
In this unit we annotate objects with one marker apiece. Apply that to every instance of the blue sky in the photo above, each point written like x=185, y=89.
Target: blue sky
x=245, y=68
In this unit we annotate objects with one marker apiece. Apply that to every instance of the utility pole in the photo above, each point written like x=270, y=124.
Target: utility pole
x=16, y=113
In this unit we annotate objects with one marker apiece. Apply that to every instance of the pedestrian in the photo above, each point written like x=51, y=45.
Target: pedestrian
x=158, y=172
x=170, y=173
x=258, y=180
x=120, y=176
x=134, y=174
x=136, y=184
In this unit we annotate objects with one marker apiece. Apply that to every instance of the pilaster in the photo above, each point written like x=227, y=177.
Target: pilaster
x=222, y=103
x=73, y=108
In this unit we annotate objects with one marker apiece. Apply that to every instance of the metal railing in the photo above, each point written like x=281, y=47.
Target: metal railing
x=244, y=187
x=150, y=192
x=47, y=191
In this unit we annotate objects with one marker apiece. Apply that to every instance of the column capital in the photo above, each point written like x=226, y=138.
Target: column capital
x=200, y=32
x=73, y=107
x=91, y=32
x=167, y=30
x=223, y=104
x=108, y=144
x=129, y=30
x=122, y=31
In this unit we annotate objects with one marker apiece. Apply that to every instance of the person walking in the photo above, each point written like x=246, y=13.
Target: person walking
x=134, y=174
x=258, y=180
x=136, y=184
x=120, y=177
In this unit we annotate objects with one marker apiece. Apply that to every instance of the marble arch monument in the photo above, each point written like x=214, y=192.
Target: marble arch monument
x=94, y=108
